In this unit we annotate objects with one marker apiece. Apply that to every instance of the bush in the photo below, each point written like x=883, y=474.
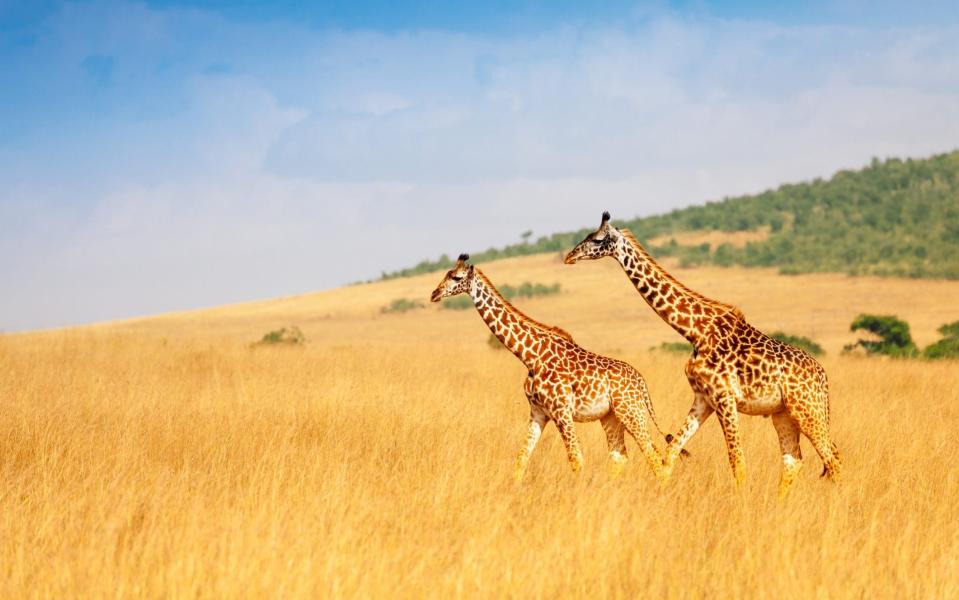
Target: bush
x=799, y=341
x=288, y=335
x=950, y=330
x=402, y=305
x=896, y=340
x=944, y=348
x=948, y=346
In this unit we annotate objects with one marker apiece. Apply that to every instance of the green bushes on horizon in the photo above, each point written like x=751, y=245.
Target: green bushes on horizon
x=891, y=218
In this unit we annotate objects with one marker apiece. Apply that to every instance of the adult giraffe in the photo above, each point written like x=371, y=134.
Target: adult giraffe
x=565, y=383
x=735, y=368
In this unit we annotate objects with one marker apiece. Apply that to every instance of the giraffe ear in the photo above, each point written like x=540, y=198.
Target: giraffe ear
x=464, y=257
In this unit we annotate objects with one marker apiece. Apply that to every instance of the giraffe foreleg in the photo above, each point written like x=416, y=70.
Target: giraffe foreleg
x=564, y=422
x=728, y=416
x=788, y=432
x=537, y=421
x=616, y=439
x=698, y=413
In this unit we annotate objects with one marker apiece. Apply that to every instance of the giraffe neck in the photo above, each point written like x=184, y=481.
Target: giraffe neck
x=523, y=336
x=691, y=314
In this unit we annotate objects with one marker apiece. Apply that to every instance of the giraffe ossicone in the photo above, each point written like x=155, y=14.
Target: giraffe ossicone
x=734, y=368
x=566, y=383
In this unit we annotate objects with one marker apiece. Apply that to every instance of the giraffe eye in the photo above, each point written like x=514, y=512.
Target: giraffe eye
x=457, y=278
x=595, y=241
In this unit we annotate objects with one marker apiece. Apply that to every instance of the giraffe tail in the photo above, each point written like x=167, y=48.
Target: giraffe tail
x=652, y=415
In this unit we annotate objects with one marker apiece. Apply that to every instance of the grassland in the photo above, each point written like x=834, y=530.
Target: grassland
x=169, y=457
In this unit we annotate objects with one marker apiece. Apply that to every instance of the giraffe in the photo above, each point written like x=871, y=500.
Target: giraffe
x=734, y=368
x=564, y=383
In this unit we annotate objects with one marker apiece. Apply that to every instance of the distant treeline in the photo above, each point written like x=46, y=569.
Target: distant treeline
x=891, y=218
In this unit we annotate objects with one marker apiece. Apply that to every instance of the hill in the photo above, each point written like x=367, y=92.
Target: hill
x=595, y=300
x=891, y=218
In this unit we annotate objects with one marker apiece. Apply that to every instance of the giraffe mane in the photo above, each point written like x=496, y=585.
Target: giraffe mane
x=631, y=238
x=548, y=329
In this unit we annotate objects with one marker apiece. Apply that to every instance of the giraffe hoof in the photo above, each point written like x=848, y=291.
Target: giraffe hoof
x=617, y=464
x=784, y=491
x=663, y=476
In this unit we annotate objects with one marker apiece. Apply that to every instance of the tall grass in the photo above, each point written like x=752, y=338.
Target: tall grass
x=136, y=466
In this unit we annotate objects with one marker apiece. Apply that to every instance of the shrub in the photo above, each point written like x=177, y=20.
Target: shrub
x=948, y=346
x=288, y=335
x=895, y=338
x=944, y=348
x=402, y=305
x=950, y=330
x=799, y=341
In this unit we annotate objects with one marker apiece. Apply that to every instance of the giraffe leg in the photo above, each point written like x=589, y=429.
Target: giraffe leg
x=788, y=432
x=616, y=439
x=564, y=422
x=537, y=421
x=728, y=417
x=698, y=413
x=631, y=412
x=814, y=424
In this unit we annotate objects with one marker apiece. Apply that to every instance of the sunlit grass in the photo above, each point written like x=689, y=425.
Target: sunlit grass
x=136, y=466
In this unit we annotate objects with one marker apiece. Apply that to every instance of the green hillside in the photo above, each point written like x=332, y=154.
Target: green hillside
x=892, y=218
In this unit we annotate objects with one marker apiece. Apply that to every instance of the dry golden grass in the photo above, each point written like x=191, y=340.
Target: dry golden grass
x=167, y=457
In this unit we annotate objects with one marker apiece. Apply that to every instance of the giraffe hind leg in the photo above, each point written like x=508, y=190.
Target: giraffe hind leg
x=616, y=439
x=631, y=412
x=788, y=432
x=814, y=424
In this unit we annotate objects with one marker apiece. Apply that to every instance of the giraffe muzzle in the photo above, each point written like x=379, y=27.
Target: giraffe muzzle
x=436, y=296
x=570, y=259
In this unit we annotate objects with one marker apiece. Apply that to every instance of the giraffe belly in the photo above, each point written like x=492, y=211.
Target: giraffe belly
x=764, y=401
x=591, y=410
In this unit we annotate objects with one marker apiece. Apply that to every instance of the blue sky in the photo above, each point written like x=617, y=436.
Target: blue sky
x=168, y=155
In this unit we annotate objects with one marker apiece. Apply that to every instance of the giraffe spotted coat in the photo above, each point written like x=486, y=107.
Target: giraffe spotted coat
x=565, y=383
x=735, y=368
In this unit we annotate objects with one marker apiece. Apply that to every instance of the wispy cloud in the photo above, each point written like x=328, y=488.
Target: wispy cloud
x=168, y=158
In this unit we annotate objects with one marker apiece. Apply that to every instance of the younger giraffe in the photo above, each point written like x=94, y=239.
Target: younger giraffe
x=566, y=383
x=735, y=368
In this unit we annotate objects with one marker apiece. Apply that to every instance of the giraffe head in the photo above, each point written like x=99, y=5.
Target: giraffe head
x=456, y=281
x=600, y=243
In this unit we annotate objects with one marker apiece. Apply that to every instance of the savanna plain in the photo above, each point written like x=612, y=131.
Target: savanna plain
x=171, y=457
